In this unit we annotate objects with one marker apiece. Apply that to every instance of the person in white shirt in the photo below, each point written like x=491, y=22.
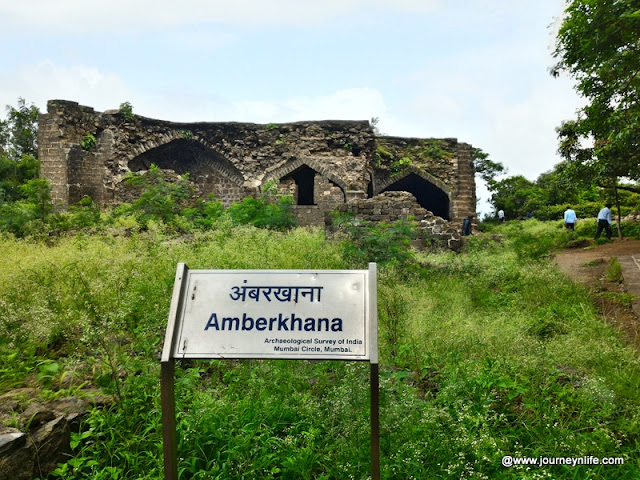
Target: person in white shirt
x=604, y=221
x=570, y=219
x=501, y=215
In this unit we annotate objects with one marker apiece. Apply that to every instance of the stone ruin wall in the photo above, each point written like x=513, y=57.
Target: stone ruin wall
x=391, y=206
x=344, y=160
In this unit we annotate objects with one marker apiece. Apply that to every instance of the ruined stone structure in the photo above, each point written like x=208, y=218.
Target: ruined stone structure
x=323, y=164
x=392, y=205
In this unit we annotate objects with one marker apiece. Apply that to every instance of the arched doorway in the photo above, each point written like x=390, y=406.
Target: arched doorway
x=209, y=170
x=310, y=187
x=304, y=180
x=429, y=195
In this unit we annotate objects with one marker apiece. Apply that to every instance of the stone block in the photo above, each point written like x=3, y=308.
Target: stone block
x=16, y=455
x=52, y=441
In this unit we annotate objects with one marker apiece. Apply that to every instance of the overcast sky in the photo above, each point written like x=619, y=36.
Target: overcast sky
x=475, y=70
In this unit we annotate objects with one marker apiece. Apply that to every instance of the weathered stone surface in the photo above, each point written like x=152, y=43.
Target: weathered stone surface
x=321, y=163
x=49, y=426
x=35, y=415
x=632, y=217
x=52, y=441
x=16, y=455
x=10, y=439
x=404, y=205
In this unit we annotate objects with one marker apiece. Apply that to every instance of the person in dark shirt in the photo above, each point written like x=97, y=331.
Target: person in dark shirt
x=466, y=226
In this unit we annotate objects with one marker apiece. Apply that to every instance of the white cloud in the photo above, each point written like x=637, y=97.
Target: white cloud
x=120, y=15
x=44, y=81
x=93, y=87
x=346, y=104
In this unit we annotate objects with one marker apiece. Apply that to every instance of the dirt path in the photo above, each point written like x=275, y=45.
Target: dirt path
x=590, y=265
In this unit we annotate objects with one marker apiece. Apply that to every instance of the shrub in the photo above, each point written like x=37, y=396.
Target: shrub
x=275, y=214
x=586, y=227
x=381, y=242
x=269, y=210
x=19, y=218
x=160, y=200
x=614, y=272
x=535, y=240
x=203, y=214
x=127, y=111
x=88, y=142
x=631, y=230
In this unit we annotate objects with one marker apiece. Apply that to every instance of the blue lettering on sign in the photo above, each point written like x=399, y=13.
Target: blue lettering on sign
x=281, y=323
x=281, y=294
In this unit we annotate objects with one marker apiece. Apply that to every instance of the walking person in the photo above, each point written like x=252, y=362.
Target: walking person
x=501, y=215
x=604, y=221
x=570, y=219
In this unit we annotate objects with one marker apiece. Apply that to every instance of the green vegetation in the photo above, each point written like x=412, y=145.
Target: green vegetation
x=548, y=196
x=88, y=142
x=422, y=155
x=489, y=353
x=126, y=109
x=399, y=165
x=376, y=242
x=597, y=46
x=163, y=204
x=614, y=272
x=18, y=133
x=18, y=151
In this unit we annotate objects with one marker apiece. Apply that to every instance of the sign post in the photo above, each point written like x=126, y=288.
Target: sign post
x=270, y=314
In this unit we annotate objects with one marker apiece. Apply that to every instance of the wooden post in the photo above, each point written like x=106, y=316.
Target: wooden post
x=167, y=375
x=375, y=423
x=169, y=442
x=375, y=382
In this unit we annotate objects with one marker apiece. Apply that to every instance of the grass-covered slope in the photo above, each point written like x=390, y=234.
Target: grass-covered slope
x=483, y=354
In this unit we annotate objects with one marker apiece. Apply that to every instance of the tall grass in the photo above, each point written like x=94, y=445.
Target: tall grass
x=484, y=354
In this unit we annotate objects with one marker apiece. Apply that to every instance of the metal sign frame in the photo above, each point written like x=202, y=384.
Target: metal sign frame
x=186, y=296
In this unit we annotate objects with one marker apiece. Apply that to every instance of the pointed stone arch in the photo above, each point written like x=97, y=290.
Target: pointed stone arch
x=431, y=193
x=211, y=172
x=291, y=166
x=304, y=173
x=186, y=156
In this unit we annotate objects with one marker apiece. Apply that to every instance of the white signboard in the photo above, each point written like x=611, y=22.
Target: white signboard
x=284, y=314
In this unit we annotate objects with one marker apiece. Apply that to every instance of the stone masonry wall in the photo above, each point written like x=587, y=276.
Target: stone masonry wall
x=326, y=193
x=446, y=164
x=435, y=156
x=464, y=203
x=220, y=187
x=233, y=160
x=392, y=206
x=63, y=162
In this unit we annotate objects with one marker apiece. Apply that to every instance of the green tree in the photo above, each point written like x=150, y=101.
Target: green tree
x=486, y=168
x=598, y=45
x=18, y=150
x=19, y=132
x=515, y=195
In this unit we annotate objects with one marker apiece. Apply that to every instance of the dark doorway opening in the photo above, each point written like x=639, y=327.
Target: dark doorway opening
x=370, y=189
x=180, y=155
x=428, y=195
x=304, y=178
